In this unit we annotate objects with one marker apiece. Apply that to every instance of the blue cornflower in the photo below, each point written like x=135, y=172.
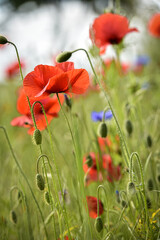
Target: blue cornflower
x=142, y=60
x=98, y=116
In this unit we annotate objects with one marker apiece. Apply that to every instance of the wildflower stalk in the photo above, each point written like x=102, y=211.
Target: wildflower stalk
x=77, y=158
x=142, y=181
x=98, y=190
x=25, y=178
x=49, y=190
x=124, y=145
x=56, y=167
x=26, y=204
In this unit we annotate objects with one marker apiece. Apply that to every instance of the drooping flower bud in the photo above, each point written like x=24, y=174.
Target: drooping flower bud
x=98, y=224
x=3, y=40
x=37, y=137
x=150, y=185
x=129, y=127
x=89, y=161
x=149, y=141
x=13, y=216
x=40, y=182
x=63, y=57
x=149, y=205
x=47, y=198
x=124, y=204
x=131, y=188
x=102, y=130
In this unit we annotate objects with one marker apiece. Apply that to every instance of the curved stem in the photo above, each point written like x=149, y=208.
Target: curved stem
x=56, y=167
x=124, y=145
x=104, y=113
x=98, y=189
x=25, y=178
x=142, y=181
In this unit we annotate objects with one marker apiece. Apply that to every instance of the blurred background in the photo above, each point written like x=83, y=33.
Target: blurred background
x=43, y=28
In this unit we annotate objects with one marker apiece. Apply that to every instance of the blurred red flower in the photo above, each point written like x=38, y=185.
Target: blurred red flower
x=92, y=206
x=154, y=25
x=66, y=238
x=51, y=107
x=106, y=169
x=109, y=28
x=13, y=69
x=62, y=77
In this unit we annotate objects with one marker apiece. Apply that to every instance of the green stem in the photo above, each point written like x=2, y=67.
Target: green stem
x=124, y=145
x=98, y=189
x=142, y=181
x=25, y=178
x=56, y=167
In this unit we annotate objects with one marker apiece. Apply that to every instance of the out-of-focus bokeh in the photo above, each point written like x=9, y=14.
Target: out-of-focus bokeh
x=41, y=29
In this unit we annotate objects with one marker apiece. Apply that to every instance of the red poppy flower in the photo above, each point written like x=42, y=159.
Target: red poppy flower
x=50, y=105
x=154, y=25
x=105, y=142
x=92, y=206
x=66, y=238
x=107, y=169
x=109, y=28
x=13, y=69
x=62, y=77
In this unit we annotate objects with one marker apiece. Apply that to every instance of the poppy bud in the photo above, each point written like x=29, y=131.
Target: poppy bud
x=150, y=185
x=129, y=127
x=13, y=217
x=149, y=141
x=131, y=188
x=37, y=137
x=68, y=101
x=40, y=182
x=149, y=205
x=98, y=224
x=124, y=204
x=3, y=40
x=47, y=198
x=102, y=130
x=19, y=196
x=63, y=57
x=89, y=161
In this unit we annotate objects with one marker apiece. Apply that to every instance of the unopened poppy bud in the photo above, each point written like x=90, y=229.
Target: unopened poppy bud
x=63, y=57
x=40, y=182
x=3, y=40
x=13, y=217
x=102, y=130
x=129, y=127
x=131, y=188
x=150, y=185
x=68, y=101
x=89, y=161
x=149, y=205
x=149, y=141
x=37, y=137
x=124, y=204
x=98, y=224
x=47, y=198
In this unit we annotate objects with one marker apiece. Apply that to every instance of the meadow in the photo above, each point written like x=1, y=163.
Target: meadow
x=90, y=166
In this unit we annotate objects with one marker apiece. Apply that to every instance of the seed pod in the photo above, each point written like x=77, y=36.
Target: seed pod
x=129, y=127
x=102, y=130
x=63, y=57
x=40, y=182
x=89, y=161
x=47, y=198
x=13, y=216
x=150, y=185
x=131, y=188
x=37, y=137
x=149, y=141
x=98, y=224
x=124, y=204
x=3, y=40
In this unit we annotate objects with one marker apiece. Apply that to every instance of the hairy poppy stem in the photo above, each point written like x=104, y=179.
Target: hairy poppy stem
x=25, y=201
x=104, y=113
x=124, y=145
x=25, y=178
x=98, y=190
x=56, y=167
x=142, y=181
